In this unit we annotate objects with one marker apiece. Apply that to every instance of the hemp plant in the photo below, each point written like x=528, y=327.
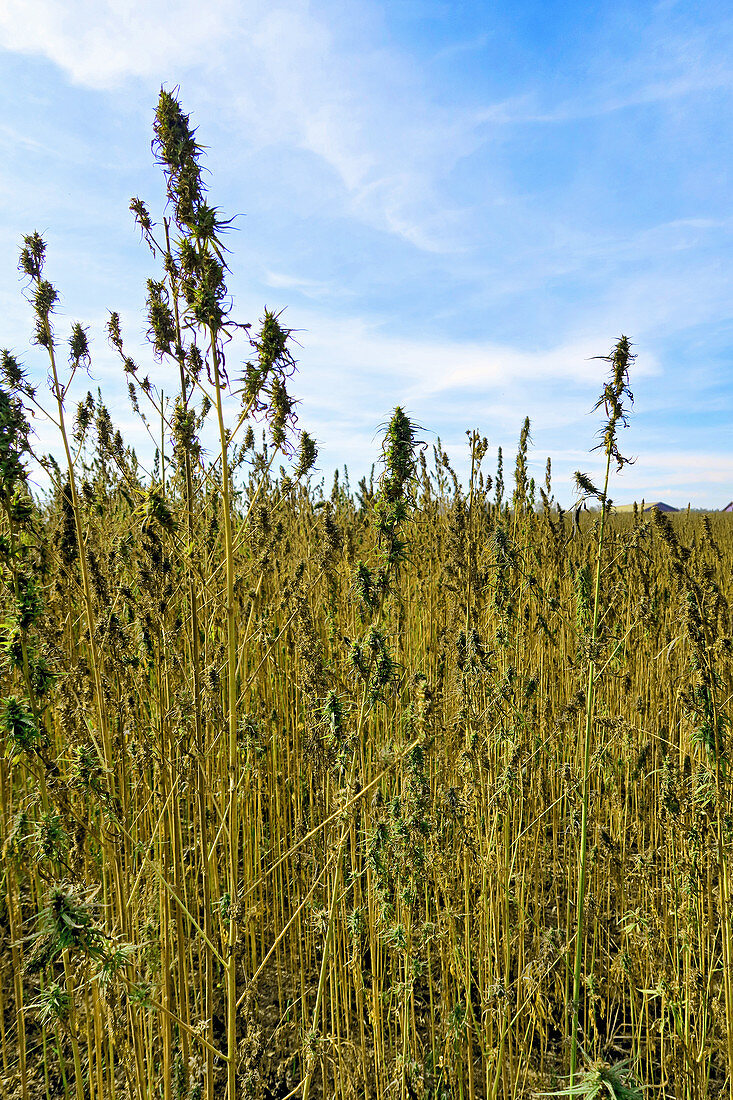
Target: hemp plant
x=615, y=399
x=191, y=322
x=371, y=661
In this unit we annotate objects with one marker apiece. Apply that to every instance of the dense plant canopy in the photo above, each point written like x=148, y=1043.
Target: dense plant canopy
x=409, y=790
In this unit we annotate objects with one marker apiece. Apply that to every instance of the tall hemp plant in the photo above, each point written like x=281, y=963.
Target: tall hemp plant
x=615, y=392
x=191, y=323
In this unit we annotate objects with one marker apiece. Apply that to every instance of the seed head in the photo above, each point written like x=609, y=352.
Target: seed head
x=32, y=255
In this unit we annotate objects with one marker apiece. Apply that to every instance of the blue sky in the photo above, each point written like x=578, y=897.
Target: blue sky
x=458, y=203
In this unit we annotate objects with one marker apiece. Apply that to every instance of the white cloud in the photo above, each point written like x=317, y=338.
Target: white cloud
x=430, y=368
x=310, y=288
x=100, y=44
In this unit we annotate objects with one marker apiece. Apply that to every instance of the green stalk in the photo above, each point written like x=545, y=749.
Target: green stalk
x=233, y=808
x=467, y=744
x=201, y=778
x=73, y=1026
x=14, y=922
x=86, y=586
x=334, y=900
x=590, y=699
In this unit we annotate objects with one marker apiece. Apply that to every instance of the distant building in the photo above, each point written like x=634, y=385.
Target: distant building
x=648, y=507
x=729, y=507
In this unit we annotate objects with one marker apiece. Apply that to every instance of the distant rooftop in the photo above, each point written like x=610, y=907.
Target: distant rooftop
x=647, y=506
